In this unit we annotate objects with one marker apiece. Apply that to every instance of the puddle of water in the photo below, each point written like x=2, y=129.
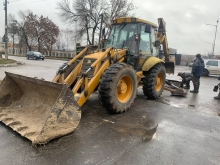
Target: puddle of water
x=178, y=105
x=149, y=134
x=174, y=104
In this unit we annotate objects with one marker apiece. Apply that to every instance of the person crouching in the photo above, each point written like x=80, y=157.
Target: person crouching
x=186, y=78
x=218, y=86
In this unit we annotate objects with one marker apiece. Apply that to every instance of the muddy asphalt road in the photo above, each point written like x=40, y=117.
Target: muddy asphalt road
x=170, y=130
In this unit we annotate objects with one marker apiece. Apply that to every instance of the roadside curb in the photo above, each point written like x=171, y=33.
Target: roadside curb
x=12, y=64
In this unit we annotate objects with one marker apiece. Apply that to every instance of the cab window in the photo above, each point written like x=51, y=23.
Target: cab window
x=123, y=35
x=144, y=41
x=153, y=38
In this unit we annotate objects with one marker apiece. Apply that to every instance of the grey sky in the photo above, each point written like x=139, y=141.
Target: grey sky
x=185, y=20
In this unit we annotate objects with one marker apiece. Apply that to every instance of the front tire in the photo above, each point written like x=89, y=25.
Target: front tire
x=205, y=72
x=154, y=81
x=118, y=87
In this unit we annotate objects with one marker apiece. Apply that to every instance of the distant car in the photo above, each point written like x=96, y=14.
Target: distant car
x=212, y=67
x=35, y=55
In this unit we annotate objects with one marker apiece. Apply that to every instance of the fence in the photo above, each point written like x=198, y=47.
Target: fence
x=54, y=53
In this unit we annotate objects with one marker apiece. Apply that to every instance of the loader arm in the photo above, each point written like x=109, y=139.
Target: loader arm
x=99, y=66
x=162, y=38
x=88, y=80
x=60, y=74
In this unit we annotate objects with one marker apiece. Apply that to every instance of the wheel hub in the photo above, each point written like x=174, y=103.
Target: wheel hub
x=122, y=88
x=158, y=81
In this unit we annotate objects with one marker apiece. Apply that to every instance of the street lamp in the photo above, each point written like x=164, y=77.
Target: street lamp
x=216, y=26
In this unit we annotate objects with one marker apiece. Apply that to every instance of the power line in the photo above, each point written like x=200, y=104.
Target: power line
x=27, y=3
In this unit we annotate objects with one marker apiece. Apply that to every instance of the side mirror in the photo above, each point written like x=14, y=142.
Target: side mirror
x=156, y=43
x=147, y=29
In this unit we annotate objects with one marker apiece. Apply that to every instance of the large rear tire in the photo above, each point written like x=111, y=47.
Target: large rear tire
x=118, y=87
x=154, y=81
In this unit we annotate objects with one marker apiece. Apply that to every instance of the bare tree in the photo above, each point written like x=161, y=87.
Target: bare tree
x=43, y=30
x=120, y=8
x=23, y=27
x=59, y=42
x=65, y=39
x=87, y=14
x=69, y=37
x=12, y=29
x=36, y=31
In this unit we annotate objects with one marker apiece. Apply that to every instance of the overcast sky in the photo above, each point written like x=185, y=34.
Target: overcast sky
x=185, y=20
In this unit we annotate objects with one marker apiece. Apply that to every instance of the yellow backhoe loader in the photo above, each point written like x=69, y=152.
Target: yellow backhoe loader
x=41, y=111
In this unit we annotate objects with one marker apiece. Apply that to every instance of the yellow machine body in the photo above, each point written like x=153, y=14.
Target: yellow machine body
x=40, y=110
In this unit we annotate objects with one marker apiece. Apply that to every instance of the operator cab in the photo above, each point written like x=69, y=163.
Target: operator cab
x=134, y=34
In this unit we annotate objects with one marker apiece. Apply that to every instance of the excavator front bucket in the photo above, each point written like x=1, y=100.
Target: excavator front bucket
x=38, y=110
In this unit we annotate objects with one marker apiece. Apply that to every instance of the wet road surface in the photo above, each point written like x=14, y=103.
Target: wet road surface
x=170, y=130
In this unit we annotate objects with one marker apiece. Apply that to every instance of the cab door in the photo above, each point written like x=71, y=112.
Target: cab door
x=145, y=42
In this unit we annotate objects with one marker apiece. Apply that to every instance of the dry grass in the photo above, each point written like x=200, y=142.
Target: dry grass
x=4, y=61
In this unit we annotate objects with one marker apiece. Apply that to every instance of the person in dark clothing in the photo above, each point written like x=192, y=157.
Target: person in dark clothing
x=186, y=78
x=197, y=72
x=218, y=97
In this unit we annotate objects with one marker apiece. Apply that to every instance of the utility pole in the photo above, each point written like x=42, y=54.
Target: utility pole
x=215, y=37
x=6, y=31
